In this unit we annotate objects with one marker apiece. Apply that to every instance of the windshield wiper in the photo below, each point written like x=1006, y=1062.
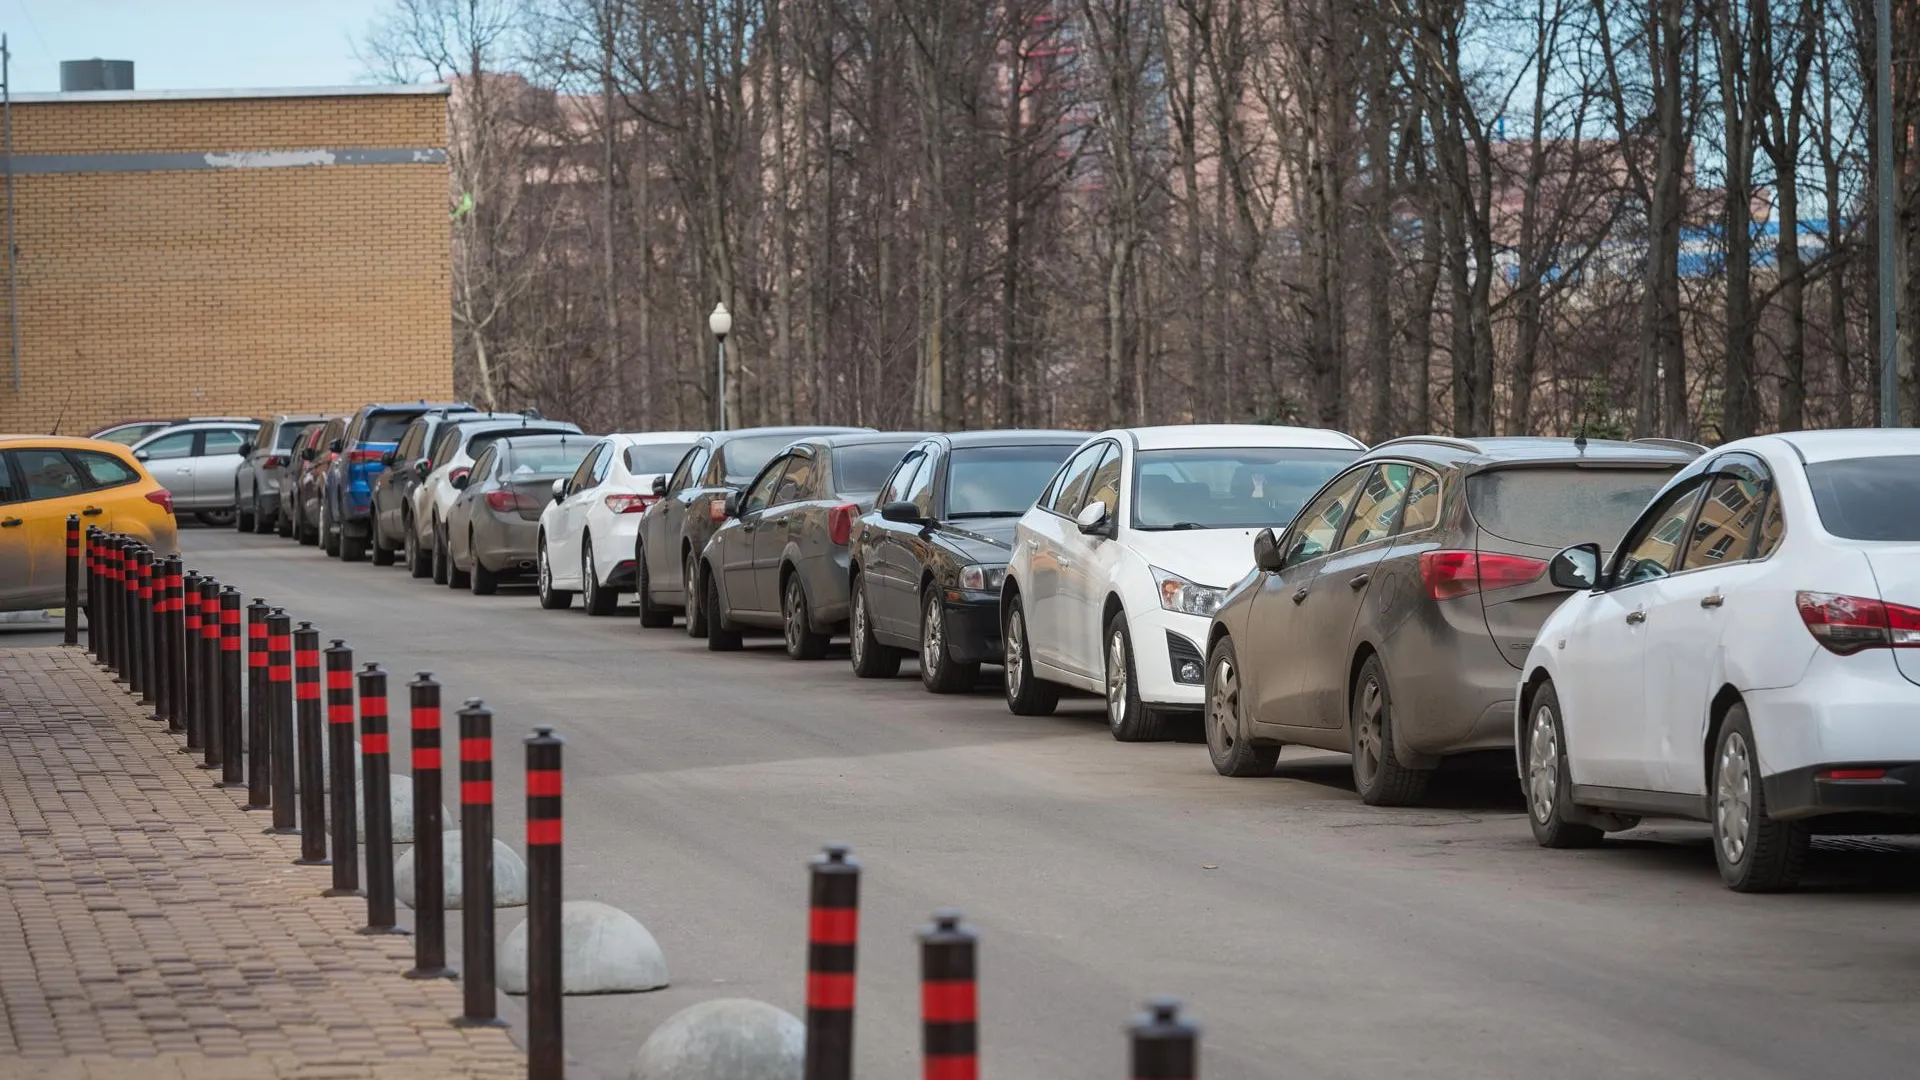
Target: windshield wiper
x=964, y=514
x=1178, y=526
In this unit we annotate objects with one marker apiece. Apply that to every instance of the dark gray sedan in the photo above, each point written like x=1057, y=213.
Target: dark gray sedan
x=780, y=561
x=493, y=526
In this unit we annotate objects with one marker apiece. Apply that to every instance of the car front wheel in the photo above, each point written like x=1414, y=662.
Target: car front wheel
x=940, y=673
x=1233, y=753
x=872, y=658
x=652, y=615
x=1027, y=695
x=1548, y=783
x=1128, y=717
x=696, y=606
x=1755, y=852
x=551, y=598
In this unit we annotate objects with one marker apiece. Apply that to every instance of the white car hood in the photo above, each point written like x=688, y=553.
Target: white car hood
x=1215, y=557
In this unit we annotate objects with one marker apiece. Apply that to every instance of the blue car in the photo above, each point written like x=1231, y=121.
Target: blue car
x=359, y=457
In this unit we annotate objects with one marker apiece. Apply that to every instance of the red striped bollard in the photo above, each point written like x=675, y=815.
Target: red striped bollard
x=346, y=845
x=190, y=659
x=313, y=781
x=1165, y=1045
x=143, y=625
x=172, y=636
x=129, y=611
x=376, y=781
x=101, y=598
x=90, y=564
x=70, y=618
x=212, y=733
x=117, y=597
x=476, y=866
x=546, y=1043
x=159, y=675
x=153, y=589
x=259, y=756
x=280, y=739
x=113, y=600
x=429, y=880
x=949, y=999
x=232, y=748
x=833, y=931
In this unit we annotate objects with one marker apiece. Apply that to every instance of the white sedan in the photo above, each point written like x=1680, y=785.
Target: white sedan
x=1745, y=658
x=587, y=531
x=1118, y=567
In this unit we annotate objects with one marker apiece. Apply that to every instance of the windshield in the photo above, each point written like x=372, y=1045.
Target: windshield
x=745, y=457
x=865, y=468
x=1556, y=507
x=655, y=457
x=525, y=460
x=1000, y=481
x=1874, y=498
x=1228, y=487
x=386, y=426
x=127, y=436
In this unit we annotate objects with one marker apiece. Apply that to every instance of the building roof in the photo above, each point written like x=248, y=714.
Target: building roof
x=95, y=97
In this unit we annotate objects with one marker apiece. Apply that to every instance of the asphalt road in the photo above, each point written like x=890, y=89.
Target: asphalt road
x=1314, y=937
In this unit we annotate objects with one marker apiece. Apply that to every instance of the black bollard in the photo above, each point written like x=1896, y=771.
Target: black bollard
x=190, y=659
x=313, y=781
x=117, y=597
x=949, y=999
x=90, y=563
x=376, y=785
x=476, y=866
x=152, y=591
x=110, y=600
x=280, y=739
x=172, y=635
x=833, y=931
x=213, y=734
x=1165, y=1046
x=159, y=676
x=546, y=1043
x=346, y=844
x=129, y=611
x=232, y=749
x=429, y=870
x=259, y=757
x=142, y=668
x=70, y=618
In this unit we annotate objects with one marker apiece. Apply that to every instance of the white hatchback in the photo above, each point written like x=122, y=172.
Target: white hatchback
x=1745, y=657
x=1118, y=567
x=587, y=531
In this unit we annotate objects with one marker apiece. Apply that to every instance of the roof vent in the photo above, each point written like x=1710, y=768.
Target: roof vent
x=82, y=76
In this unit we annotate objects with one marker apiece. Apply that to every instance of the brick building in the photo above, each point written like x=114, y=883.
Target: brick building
x=226, y=253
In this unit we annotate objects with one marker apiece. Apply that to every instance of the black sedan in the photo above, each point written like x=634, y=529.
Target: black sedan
x=926, y=562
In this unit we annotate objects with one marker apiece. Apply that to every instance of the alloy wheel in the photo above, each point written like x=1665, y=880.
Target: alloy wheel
x=1366, y=736
x=589, y=584
x=1117, y=678
x=1223, y=704
x=545, y=571
x=794, y=609
x=1733, y=797
x=1016, y=665
x=859, y=643
x=1543, y=765
x=933, y=637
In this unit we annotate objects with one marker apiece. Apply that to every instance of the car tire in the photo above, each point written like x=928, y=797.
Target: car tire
x=1026, y=694
x=306, y=534
x=1378, y=775
x=1549, y=783
x=803, y=641
x=352, y=548
x=1128, y=718
x=595, y=597
x=551, y=599
x=217, y=519
x=1755, y=853
x=264, y=519
x=456, y=577
x=871, y=658
x=379, y=552
x=1232, y=752
x=652, y=615
x=940, y=673
x=442, y=561
x=719, y=637
x=242, y=517
x=694, y=590
x=283, y=524
x=482, y=581
x=329, y=536
x=419, y=560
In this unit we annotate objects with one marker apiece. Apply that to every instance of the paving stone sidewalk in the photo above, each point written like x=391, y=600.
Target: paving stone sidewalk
x=149, y=930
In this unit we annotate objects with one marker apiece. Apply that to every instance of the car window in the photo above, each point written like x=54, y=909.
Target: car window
x=1422, y=509
x=797, y=484
x=1653, y=548
x=526, y=459
x=47, y=474
x=103, y=470
x=222, y=441
x=761, y=493
x=740, y=459
x=920, y=491
x=1378, y=504
x=578, y=481
x=1071, y=485
x=865, y=467
x=999, y=481
x=1728, y=522
x=1229, y=487
x=409, y=442
x=385, y=427
x=1317, y=528
x=1868, y=498
x=1773, y=526
x=1104, y=486
x=601, y=461
x=648, y=459
x=896, y=487
x=697, y=471
x=177, y=445
x=683, y=471
x=8, y=492
x=444, y=442
x=1554, y=506
x=482, y=466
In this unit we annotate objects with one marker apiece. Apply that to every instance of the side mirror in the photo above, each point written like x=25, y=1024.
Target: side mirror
x=1577, y=567
x=901, y=513
x=142, y=455
x=659, y=485
x=246, y=448
x=307, y=453
x=559, y=489
x=389, y=458
x=731, y=507
x=1092, y=520
x=460, y=480
x=1266, y=551
x=334, y=447
x=422, y=467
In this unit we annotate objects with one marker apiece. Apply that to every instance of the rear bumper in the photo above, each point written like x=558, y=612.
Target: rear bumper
x=973, y=627
x=506, y=547
x=1812, y=791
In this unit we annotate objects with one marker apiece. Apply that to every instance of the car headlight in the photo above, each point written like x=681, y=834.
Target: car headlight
x=1179, y=594
x=982, y=578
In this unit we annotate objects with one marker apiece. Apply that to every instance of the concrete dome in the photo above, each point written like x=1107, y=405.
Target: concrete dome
x=603, y=950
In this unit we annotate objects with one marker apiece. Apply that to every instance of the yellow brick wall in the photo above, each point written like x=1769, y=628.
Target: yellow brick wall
x=227, y=291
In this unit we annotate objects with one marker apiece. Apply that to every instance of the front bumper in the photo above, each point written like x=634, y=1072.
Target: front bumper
x=1154, y=657
x=973, y=626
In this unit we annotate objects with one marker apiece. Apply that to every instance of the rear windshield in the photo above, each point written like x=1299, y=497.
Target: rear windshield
x=524, y=461
x=1558, y=507
x=865, y=468
x=481, y=440
x=387, y=426
x=655, y=457
x=1876, y=498
x=1228, y=487
x=286, y=435
x=744, y=458
x=1000, y=481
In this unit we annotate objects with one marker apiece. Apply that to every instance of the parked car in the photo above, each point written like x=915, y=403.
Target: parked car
x=407, y=465
x=1745, y=657
x=263, y=464
x=359, y=457
x=46, y=478
x=455, y=448
x=1118, y=567
x=301, y=493
x=928, y=559
x=675, y=529
x=197, y=462
x=1390, y=619
x=587, y=532
x=779, y=561
x=493, y=526
x=128, y=432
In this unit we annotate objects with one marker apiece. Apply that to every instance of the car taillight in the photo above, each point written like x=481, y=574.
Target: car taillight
x=457, y=475
x=274, y=461
x=625, y=503
x=161, y=498
x=1449, y=574
x=503, y=500
x=365, y=457
x=840, y=523
x=1849, y=624
x=716, y=509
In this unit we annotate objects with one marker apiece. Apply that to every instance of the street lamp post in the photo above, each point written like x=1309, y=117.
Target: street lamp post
x=1883, y=135
x=721, y=323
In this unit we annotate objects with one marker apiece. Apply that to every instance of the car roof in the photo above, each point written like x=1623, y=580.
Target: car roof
x=652, y=438
x=1011, y=437
x=484, y=426
x=865, y=438
x=721, y=438
x=1200, y=436
x=1535, y=449
x=297, y=418
x=64, y=442
x=195, y=425
x=1817, y=446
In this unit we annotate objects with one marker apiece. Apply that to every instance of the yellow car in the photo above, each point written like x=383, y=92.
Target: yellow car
x=43, y=478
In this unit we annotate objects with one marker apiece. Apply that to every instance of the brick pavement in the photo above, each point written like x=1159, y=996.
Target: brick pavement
x=150, y=930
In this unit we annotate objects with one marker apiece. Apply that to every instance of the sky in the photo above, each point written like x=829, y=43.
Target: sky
x=192, y=44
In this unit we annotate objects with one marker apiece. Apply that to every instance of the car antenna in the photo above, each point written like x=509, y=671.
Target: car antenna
x=58, y=420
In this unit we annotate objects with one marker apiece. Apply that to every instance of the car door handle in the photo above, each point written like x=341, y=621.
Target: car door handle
x=11, y=523
x=1712, y=600
x=1299, y=594
x=92, y=511
x=1359, y=581
x=1635, y=618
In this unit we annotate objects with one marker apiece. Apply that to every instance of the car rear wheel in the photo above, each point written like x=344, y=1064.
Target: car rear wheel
x=1233, y=753
x=481, y=580
x=803, y=641
x=719, y=637
x=456, y=577
x=1026, y=695
x=265, y=516
x=439, y=557
x=216, y=519
x=652, y=615
x=1755, y=853
x=696, y=601
x=871, y=658
x=352, y=548
x=595, y=597
x=329, y=537
x=1549, y=786
x=1377, y=772
x=551, y=598
x=940, y=673
x=243, y=518
x=382, y=554
x=283, y=524
x=1128, y=718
